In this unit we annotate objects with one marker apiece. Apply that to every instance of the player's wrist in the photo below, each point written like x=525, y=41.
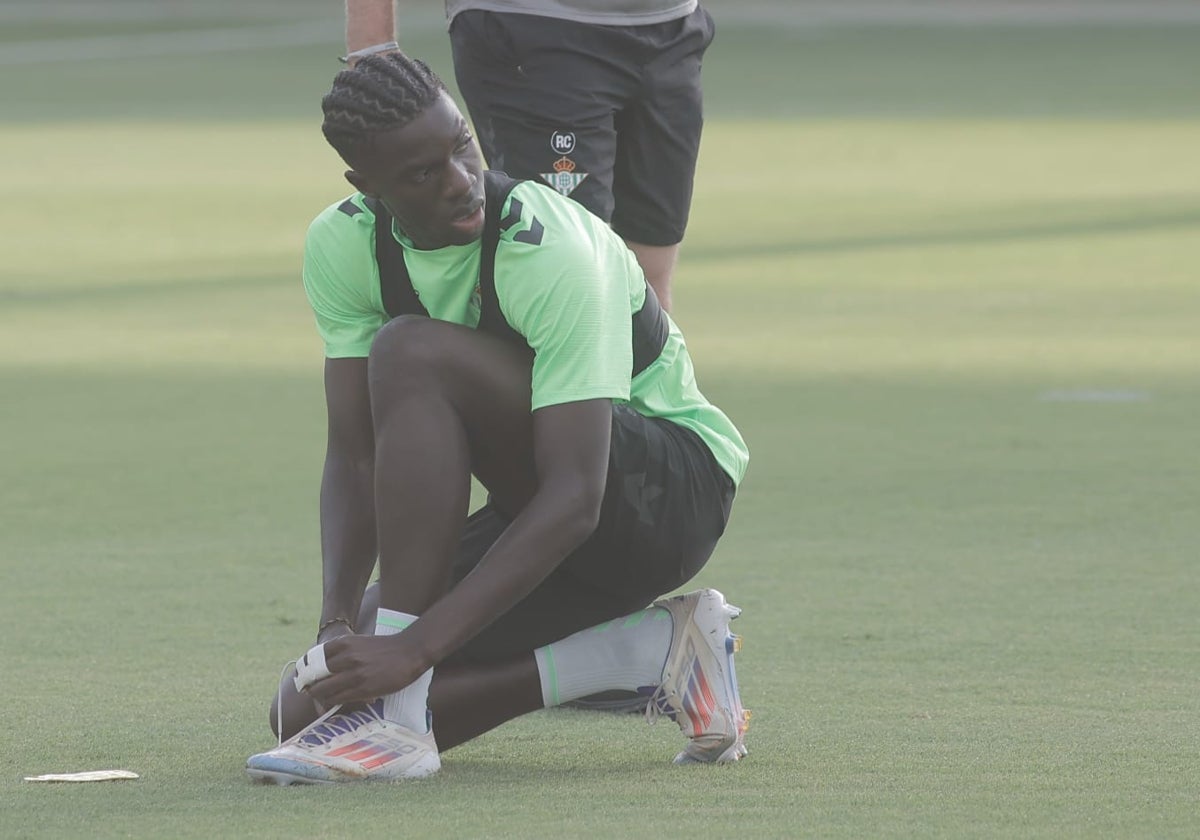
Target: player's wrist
x=354, y=56
x=332, y=628
x=424, y=645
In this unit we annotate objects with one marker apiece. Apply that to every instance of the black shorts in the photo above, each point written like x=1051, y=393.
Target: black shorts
x=609, y=115
x=666, y=504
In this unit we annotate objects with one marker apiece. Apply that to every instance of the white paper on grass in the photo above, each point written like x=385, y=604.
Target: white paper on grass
x=88, y=776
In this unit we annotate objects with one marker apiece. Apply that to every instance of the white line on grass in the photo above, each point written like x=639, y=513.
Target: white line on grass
x=172, y=43
x=329, y=30
x=1092, y=395
x=806, y=13
x=777, y=12
x=107, y=11
x=194, y=11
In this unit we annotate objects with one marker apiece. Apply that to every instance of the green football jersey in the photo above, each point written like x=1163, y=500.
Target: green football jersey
x=569, y=286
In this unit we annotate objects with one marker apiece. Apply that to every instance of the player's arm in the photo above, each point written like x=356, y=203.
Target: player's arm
x=574, y=311
x=578, y=323
x=571, y=443
x=369, y=23
x=348, y=542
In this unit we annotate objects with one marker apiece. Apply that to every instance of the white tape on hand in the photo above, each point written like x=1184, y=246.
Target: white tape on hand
x=311, y=667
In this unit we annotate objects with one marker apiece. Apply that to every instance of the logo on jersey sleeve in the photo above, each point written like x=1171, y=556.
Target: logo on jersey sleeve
x=564, y=178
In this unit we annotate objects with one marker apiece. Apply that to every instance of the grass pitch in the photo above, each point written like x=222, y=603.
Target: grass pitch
x=943, y=277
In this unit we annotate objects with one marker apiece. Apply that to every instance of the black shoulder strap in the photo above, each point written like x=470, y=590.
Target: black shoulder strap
x=650, y=332
x=650, y=328
x=496, y=185
x=395, y=284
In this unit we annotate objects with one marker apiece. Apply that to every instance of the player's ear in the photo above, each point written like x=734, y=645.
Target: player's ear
x=360, y=183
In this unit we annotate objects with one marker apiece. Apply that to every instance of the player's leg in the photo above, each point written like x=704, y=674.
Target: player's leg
x=658, y=140
x=542, y=93
x=546, y=97
x=482, y=528
x=560, y=606
x=658, y=264
x=677, y=654
x=666, y=505
x=660, y=519
x=500, y=662
x=446, y=401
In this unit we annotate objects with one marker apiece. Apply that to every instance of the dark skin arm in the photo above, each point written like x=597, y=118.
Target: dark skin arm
x=348, y=547
x=571, y=443
x=368, y=22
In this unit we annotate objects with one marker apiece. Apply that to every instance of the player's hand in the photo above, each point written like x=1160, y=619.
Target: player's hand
x=298, y=709
x=364, y=668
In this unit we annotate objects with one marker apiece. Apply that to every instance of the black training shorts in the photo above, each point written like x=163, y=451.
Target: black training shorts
x=609, y=115
x=666, y=504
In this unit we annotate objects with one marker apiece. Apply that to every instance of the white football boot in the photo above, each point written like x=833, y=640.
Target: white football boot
x=699, y=689
x=348, y=746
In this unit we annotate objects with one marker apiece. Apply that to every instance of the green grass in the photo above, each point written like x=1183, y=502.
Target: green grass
x=956, y=320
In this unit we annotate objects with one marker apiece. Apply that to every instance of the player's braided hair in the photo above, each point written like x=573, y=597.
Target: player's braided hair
x=380, y=93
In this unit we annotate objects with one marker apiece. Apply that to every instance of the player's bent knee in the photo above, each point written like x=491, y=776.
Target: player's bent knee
x=405, y=348
x=414, y=355
x=400, y=338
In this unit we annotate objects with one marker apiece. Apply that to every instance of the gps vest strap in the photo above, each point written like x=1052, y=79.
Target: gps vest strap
x=650, y=328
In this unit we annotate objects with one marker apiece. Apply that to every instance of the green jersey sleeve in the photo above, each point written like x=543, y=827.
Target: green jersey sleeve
x=341, y=280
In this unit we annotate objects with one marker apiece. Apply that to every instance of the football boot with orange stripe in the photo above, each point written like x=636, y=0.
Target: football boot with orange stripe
x=699, y=689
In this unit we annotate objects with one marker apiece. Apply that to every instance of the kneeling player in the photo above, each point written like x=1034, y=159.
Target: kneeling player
x=478, y=326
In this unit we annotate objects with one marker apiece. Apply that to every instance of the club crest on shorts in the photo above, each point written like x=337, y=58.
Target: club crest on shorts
x=564, y=178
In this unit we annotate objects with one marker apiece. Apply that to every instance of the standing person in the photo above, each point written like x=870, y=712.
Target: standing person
x=599, y=98
x=474, y=325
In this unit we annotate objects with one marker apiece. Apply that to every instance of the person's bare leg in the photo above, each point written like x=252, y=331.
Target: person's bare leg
x=466, y=700
x=658, y=264
x=446, y=401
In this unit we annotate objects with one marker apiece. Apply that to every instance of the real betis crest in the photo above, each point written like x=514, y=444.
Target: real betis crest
x=564, y=178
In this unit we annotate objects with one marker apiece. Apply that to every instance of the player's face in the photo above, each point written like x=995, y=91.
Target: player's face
x=429, y=175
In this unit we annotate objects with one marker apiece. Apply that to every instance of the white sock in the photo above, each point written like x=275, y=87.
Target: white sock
x=625, y=653
x=408, y=706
